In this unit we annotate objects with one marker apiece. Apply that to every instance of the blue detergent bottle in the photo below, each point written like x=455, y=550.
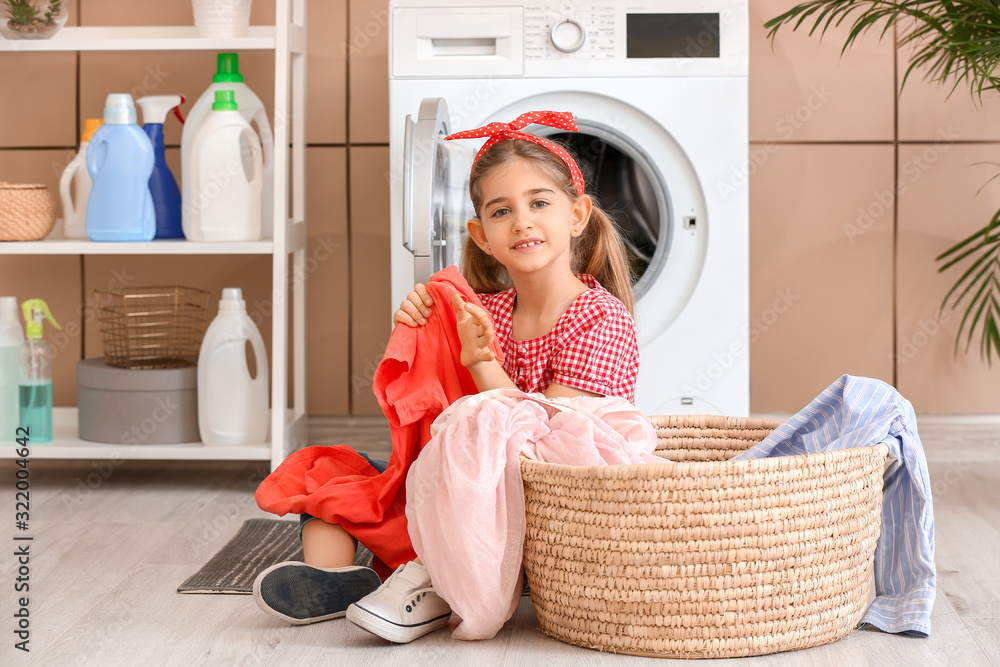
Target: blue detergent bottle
x=120, y=162
x=162, y=185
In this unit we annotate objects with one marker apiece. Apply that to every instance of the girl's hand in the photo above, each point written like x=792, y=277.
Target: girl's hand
x=475, y=331
x=415, y=310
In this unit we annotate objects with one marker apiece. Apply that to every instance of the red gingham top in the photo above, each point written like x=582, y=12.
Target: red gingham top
x=592, y=347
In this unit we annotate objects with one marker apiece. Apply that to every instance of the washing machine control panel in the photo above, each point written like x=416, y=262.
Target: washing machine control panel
x=587, y=33
x=576, y=38
x=635, y=38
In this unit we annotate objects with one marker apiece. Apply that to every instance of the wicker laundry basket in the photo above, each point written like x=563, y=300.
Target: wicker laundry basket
x=704, y=557
x=27, y=211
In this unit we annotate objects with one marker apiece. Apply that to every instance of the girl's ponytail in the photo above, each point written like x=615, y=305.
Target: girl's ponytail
x=600, y=252
x=483, y=272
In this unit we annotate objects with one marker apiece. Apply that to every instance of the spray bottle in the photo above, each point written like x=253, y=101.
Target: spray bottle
x=35, y=376
x=75, y=216
x=162, y=185
x=11, y=338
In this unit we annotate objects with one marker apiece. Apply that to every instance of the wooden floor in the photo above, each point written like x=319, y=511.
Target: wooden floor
x=112, y=540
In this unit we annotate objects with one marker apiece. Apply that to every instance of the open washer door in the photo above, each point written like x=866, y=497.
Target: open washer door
x=643, y=176
x=436, y=202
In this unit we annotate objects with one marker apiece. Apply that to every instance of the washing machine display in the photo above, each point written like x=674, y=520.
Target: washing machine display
x=663, y=129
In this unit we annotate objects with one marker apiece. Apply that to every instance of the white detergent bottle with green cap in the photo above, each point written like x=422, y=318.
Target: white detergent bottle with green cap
x=35, y=376
x=227, y=77
x=225, y=203
x=11, y=339
x=232, y=404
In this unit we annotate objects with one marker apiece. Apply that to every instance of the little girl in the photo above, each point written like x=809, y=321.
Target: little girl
x=551, y=270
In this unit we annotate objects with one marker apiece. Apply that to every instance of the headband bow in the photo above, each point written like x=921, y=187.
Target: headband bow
x=497, y=132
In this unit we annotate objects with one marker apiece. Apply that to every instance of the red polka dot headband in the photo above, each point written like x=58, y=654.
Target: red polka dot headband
x=497, y=132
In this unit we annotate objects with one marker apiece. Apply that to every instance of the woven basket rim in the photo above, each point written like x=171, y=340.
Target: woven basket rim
x=705, y=468
x=22, y=186
x=713, y=421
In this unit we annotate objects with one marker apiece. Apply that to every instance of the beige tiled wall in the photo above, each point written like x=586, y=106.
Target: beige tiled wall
x=801, y=89
x=929, y=108
x=370, y=306
x=851, y=208
x=842, y=263
x=938, y=207
x=820, y=292
x=368, y=61
x=328, y=278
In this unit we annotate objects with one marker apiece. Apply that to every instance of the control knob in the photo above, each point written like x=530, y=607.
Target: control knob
x=568, y=35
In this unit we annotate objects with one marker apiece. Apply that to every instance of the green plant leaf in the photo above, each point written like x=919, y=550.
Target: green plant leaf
x=973, y=282
x=21, y=11
x=983, y=242
x=991, y=335
x=972, y=326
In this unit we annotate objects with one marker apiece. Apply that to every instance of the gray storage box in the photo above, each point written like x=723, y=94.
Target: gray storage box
x=137, y=407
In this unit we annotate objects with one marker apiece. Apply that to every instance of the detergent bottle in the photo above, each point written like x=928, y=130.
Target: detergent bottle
x=75, y=215
x=232, y=405
x=35, y=375
x=228, y=77
x=120, y=160
x=11, y=339
x=162, y=185
x=225, y=173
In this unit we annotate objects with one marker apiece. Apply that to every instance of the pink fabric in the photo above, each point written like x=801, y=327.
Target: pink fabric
x=465, y=499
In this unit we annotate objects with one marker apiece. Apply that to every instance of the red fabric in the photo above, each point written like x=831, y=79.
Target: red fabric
x=420, y=375
x=592, y=347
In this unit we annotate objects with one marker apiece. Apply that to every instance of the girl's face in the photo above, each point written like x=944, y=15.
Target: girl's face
x=526, y=220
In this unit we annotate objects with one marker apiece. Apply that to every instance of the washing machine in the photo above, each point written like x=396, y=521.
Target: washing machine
x=659, y=91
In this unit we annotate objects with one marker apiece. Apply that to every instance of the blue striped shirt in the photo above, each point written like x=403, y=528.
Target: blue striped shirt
x=860, y=412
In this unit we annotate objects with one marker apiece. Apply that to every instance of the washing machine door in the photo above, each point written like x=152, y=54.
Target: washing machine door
x=436, y=202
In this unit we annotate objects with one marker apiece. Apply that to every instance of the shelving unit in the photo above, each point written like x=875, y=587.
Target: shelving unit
x=287, y=38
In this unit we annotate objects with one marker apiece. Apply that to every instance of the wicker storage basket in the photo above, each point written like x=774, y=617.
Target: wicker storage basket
x=704, y=557
x=152, y=327
x=27, y=212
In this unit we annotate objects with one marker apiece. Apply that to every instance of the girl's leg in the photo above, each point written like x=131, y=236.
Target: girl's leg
x=327, y=545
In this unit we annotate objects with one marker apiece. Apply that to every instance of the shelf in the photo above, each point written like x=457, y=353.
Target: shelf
x=286, y=39
x=161, y=247
x=67, y=445
x=159, y=38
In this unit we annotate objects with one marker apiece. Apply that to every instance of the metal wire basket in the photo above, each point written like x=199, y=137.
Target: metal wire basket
x=152, y=327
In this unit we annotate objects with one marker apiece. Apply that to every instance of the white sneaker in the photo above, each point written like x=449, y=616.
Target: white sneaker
x=403, y=608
